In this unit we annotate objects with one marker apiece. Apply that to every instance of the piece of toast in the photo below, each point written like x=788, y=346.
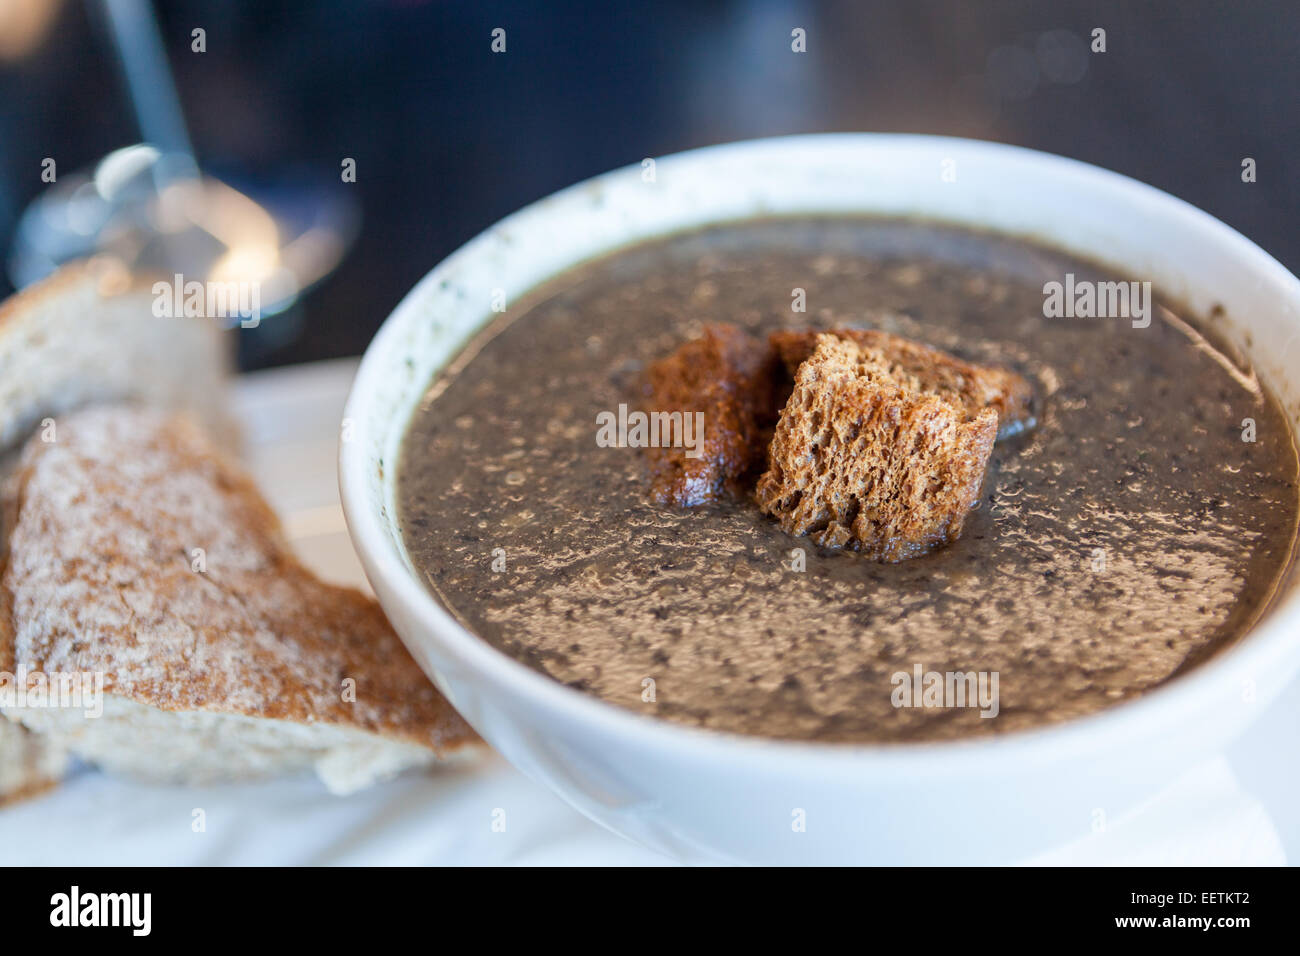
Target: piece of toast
x=974, y=387
x=88, y=334
x=138, y=551
x=726, y=375
x=864, y=457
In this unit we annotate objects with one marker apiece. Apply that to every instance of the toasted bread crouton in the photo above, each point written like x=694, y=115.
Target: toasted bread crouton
x=974, y=387
x=728, y=376
x=864, y=457
x=138, y=552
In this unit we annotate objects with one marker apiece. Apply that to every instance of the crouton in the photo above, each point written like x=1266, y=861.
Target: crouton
x=866, y=457
x=974, y=387
x=728, y=376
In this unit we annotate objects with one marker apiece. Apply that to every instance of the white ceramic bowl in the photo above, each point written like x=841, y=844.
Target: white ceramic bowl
x=705, y=796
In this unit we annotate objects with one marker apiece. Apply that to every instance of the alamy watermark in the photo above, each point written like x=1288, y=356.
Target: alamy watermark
x=1085, y=299
x=932, y=689
x=71, y=690
x=74, y=908
x=637, y=429
x=208, y=300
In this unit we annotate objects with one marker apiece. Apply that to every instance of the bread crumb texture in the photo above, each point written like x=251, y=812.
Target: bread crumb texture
x=864, y=457
x=973, y=387
x=138, y=550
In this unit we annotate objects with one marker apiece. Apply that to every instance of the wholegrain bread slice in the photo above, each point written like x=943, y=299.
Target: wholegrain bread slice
x=973, y=387
x=865, y=457
x=138, y=551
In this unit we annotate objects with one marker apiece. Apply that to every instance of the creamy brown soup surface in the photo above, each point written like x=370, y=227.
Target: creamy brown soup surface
x=1129, y=536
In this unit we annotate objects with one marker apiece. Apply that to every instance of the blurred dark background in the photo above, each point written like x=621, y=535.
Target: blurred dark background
x=449, y=137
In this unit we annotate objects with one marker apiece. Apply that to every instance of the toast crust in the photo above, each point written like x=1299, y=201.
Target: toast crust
x=107, y=276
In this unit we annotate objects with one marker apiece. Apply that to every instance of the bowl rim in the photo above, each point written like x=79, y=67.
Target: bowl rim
x=1264, y=645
